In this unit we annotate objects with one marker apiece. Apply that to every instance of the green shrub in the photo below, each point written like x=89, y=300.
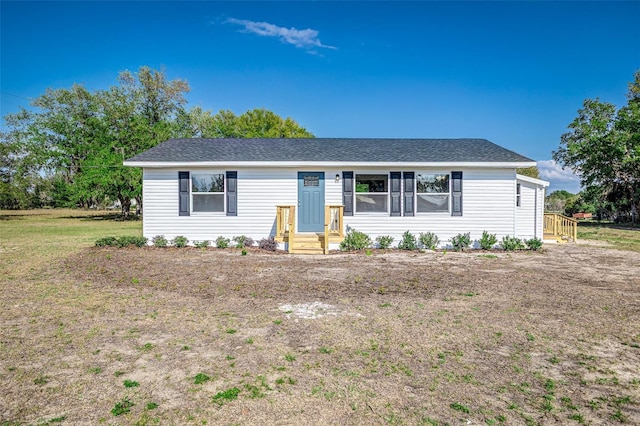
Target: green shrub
x=107, y=242
x=130, y=240
x=160, y=241
x=180, y=241
x=355, y=240
x=461, y=241
x=511, y=243
x=384, y=241
x=243, y=241
x=222, y=242
x=202, y=244
x=533, y=244
x=429, y=240
x=487, y=241
x=269, y=244
x=408, y=241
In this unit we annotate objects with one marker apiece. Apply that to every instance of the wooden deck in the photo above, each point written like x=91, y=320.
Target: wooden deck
x=560, y=228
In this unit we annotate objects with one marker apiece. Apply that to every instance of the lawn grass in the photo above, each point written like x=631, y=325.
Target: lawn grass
x=33, y=238
x=622, y=237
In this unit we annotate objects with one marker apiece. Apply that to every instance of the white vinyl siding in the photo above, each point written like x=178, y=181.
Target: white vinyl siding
x=530, y=212
x=488, y=205
x=259, y=191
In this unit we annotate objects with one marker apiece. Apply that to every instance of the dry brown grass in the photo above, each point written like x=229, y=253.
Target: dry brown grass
x=411, y=338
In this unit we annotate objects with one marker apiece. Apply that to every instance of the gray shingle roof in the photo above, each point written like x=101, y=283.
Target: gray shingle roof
x=329, y=150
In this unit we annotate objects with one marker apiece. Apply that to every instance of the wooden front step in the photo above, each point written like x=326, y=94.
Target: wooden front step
x=307, y=244
x=306, y=250
x=554, y=238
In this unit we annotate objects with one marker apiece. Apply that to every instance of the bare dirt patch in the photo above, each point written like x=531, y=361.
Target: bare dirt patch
x=396, y=337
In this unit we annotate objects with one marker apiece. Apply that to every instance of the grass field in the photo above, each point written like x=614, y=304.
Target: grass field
x=151, y=336
x=30, y=239
x=623, y=237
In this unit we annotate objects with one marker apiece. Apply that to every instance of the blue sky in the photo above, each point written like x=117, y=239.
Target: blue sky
x=511, y=72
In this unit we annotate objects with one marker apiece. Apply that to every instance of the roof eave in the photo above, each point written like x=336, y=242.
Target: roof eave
x=530, y=179
x=294, y=164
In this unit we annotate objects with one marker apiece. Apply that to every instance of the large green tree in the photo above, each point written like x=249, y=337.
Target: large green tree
x=19, y=186
x=603, y=147
x=256, y=123
x=78, y=139
x=56, y=137
x=138, y=114
x=69, y=148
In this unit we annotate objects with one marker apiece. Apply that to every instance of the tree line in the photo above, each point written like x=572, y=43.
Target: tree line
x=67, y=150
x=602, y=146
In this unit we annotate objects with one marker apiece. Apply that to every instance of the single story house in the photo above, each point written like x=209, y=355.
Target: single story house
x=308, y=192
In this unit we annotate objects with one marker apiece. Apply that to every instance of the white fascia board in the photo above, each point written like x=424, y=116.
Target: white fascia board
x=535, y=181
x=298, y=164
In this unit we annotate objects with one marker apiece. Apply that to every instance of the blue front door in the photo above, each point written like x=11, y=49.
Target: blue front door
x=310, y=201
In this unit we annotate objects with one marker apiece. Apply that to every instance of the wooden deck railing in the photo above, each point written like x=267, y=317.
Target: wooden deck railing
x=560, y=226
x=333, y=224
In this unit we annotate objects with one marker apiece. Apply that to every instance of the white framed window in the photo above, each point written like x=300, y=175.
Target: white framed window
x=207, y=192
x=433, y=192
x=372, y=193
x=518, y=189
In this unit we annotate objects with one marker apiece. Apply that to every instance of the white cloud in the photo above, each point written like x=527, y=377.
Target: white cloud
x=550, y=170
x=560, y=178
x=304, y=39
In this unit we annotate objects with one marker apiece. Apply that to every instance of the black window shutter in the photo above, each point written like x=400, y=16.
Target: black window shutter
x=183, y=193
x=456, y=193
x=232, y=193
x=347, y=193
x=408, y=193
x=395, y=178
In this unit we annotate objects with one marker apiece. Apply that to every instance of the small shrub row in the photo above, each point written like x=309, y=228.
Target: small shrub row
x=124, y=241
x=356, y=240
x=242, y=241
x=513, y=243
x=161, y=241
x=220, y=242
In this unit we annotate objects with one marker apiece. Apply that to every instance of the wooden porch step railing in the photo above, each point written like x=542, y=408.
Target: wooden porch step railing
x=559, y=227
x=333, y=225
x=312, y=243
